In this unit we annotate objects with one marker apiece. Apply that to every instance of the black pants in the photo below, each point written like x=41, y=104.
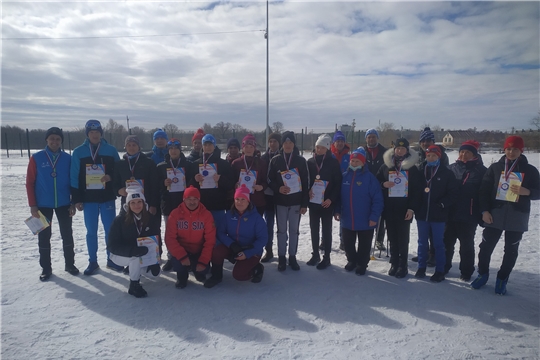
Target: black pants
x=380, y=231
x=490, y=238
x=398, y=231
x=66, y=232
x=361, y=256
x=318, y=215
x=465, y=233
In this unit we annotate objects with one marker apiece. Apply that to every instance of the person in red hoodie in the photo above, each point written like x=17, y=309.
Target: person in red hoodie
x=190, y=236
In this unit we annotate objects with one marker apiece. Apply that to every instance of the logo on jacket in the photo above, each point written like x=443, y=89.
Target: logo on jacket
x=245, y=219
x=45, y=164
x=358, y=183
x=197, y=225
x=346, y=183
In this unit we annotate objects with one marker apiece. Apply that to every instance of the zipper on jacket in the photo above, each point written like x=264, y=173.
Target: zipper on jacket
x=351, y=200
x=428, y=203
x=238, y=228
x=55, y=194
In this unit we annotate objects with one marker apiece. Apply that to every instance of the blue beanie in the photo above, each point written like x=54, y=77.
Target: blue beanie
x=93, y=125
x=338, y=136
x=372, y=131
x=427, y=134
x=160, y=134
x=209, y=138
x=233, y=142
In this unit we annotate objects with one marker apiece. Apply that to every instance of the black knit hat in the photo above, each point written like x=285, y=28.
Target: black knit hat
x=402, y=142
x=54, y=131
x=275, y=136
x=288, y=135
x=233, y=142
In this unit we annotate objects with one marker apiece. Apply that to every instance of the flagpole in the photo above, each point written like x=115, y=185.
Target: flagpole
x=267, y=77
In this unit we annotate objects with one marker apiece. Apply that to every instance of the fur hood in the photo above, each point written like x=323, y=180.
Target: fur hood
x=406, y=164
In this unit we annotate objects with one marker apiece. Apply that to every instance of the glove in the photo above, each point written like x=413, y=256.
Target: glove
x=139, y=251
x=154, y=269
x=236, y=248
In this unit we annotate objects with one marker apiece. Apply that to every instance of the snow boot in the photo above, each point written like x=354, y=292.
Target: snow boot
x=438, y=276
x=465, y=277
x=216, y=278
x=360, y=270
x=402, y=271
x=45, y=275
x=111, y=265
x=200, y=277
x=91, y=269
x=500, y=286
x=136, y=289
x=282, y=264
x=350, y=266
x=72, y=269
x=420, y=273
x=315, y=259
x=480, y=281
x=393, y=270
x=324, y=263
x=293, y=263
x=269, y=255
x=258, y=272
x=168, y=266
x=181, y=279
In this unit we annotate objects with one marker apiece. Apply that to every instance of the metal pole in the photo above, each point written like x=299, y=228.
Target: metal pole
x=267, y=79
x=7, y=145
x=302, y=141
x=28, y=141
x=69, y=142
x=129, y=129
x=20, y=144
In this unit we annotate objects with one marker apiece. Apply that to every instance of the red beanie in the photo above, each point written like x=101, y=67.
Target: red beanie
x=249, y=139
x=192, y=191
x=471, y=146
x=242, y=192
x=514, y=141
x=198, y=135
x=435, y=150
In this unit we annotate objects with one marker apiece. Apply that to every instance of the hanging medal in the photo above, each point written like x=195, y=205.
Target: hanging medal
x=428, y=187
x=53, y=164
x=132, y=168
x=94, y=155
x=318, y=177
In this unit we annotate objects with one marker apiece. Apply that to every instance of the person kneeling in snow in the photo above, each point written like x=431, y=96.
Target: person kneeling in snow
x=190, y=236
x=240, y=239
x=137, y=222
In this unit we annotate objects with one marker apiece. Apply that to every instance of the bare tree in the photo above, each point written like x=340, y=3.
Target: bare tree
x=278, y=127
x=222, y=129
x=207, y=127
x=535, y=121
x=171, y=130
x=385, y=126
x=424, y=125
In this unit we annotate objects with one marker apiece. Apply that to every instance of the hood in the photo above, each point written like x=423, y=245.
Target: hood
x=406, y=164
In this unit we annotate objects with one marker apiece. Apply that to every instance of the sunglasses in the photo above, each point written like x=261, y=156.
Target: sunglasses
x=173, y=143
x=93, y=125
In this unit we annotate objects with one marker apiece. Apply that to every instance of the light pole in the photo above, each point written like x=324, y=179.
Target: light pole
x=267, y=78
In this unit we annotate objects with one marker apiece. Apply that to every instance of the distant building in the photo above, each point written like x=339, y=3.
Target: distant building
x=457, y=137
x=345, y=128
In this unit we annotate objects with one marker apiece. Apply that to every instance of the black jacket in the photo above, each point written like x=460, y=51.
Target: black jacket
x=194, y=156
x=144, y=169
x=422, y=157
x=469, y=176
x=375, y=163
x=123, y=236
x=435, y=204
x=171, y=200
x=490, y=183
x=396, y=207
x=216, y=199
x=277, y=165
x=331, y=172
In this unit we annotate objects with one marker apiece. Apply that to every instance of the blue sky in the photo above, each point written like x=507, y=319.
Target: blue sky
x=452, y=64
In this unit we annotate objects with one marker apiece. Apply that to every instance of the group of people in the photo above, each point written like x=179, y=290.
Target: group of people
x=216, y=209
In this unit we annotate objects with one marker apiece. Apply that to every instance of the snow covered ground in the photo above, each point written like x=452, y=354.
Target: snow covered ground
x=310, y=314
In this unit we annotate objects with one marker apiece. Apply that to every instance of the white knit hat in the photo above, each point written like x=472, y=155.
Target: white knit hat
x=324, y=140
x=133, y=194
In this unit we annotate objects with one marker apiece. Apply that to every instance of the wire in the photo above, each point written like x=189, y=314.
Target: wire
x=130, y=36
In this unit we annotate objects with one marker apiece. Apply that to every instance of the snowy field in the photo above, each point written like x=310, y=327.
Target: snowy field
x=309, y=314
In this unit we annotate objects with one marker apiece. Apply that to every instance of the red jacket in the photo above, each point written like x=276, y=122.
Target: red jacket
x=191, y=232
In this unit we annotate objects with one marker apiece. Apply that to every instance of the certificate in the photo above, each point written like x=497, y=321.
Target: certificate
x=401, y=184
x=36, y=225
x=208, y=171
x=503, y=189
x=248, y=178
x=178, y=178
x=135, y=184
x=291, y=178
x=319, y=186
x=152, y=256
x=94, y=173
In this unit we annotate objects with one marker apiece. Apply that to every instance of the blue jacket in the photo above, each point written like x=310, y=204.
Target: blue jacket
x=108, y=156
x=44, y=190
x=248, y=229
x=157, y=154
x=361, y=200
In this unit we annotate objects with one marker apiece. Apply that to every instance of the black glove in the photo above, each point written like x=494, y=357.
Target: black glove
x=236, y=248
x=139, y=251
x=154, y=269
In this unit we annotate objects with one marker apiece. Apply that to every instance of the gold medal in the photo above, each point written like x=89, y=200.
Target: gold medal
x=318, y=177
x=426, y=190
x=133, y=178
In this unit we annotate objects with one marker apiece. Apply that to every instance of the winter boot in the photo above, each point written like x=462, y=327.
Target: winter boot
x=282, y=264
x=268, y=256
x=168, y=266
x=500, y=286
x=258, y=272
x=181, y=279
x=293, y=263
x=136, y=289
x=200, y=277
x=360, y=270
x=480, y=281
x=465, y=277
x=350, y=266
x=393, y=270
x=45, y=275
x=315, y=259
x=91, y=269
x=437, y=277
x=402, y=271
x=217, y=276
x=324, y=263
x=420, y=273
x=72, y=269
x=111, y=265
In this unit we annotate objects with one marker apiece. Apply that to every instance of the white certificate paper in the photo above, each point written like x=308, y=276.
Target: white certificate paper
x=208, y=171
x=135, y=184
x=94, y=173
x=291, y=178
x=401, y=184
x=319, y=186
x=248, y=178
x=503, y=189
x=178, y=178
x=152, y=256
x=36, y=225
